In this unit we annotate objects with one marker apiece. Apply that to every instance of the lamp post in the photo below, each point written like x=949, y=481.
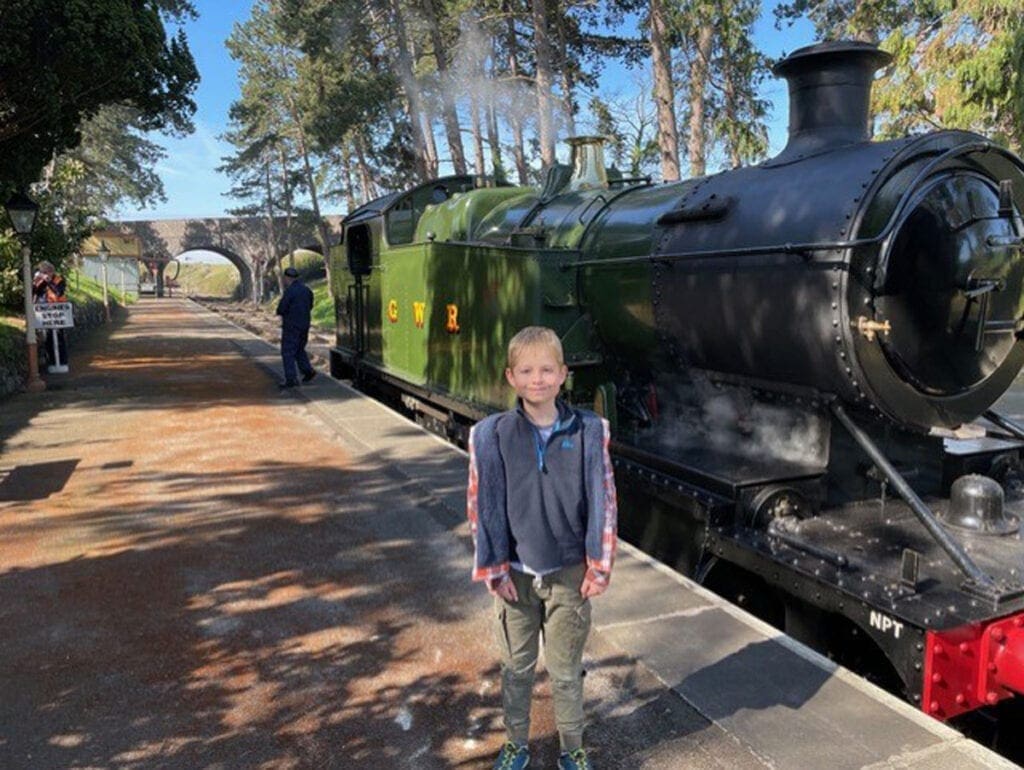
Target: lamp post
x=104, y=254
x=22, y=212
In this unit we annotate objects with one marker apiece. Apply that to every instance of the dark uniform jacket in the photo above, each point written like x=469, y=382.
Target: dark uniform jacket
x=295, y=307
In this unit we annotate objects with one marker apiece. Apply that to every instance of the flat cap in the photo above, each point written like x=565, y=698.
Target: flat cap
x=291, y=272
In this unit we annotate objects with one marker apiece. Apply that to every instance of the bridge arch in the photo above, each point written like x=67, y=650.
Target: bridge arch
x=246, y=276
x=243, y=241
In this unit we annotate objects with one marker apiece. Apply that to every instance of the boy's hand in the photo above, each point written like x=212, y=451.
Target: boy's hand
x=592, y=587
x=503, y=587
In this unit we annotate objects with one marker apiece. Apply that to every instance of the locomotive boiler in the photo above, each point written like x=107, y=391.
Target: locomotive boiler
x=799, y=360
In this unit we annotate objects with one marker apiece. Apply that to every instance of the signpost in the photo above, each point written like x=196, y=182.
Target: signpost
x=54, y=315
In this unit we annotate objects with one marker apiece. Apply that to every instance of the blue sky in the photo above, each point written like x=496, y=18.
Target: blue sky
x=195, y=189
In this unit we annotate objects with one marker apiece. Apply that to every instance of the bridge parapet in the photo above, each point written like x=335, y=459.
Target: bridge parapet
x=243, y=241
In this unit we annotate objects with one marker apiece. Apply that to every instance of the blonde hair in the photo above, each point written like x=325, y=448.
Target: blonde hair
x=45, y=266
x=531, y=336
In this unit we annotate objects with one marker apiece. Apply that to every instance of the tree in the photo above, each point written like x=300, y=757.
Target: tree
x=276, y=82
x=62, y=61
x=962, y=67
x=449, y=114
x=956, y=63
x=738, y=117
x=543, y=80
x=630, y=123
x=114, y=163
x=251, y=170
x=664, y=91
x=700, y=66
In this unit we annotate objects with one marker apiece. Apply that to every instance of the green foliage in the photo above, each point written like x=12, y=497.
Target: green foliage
x=52, y=239
x=858, y=19
x=962, y=67
x=630, y=127
x=208, y=279
x=956, y=63
x=11, y=292
x=114, y=163
x=63, y=59
x=323, y=306
x=84, y=290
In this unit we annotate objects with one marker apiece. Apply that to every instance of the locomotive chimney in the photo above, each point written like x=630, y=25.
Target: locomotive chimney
x=588, y=171
x=829, y=94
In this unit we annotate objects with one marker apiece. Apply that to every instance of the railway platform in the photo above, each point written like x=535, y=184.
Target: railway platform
x=196, y=572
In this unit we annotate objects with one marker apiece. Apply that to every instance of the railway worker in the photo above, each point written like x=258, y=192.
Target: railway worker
x=542, y=509
x=295, y=308
x=49, y=286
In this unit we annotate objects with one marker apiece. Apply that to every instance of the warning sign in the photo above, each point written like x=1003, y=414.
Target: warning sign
x=54, y=315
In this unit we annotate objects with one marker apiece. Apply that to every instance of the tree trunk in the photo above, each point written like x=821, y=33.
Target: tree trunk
x=494, y=140
x=275, y=253
x=346, y=171
x=491, y=118
x=515, y=121
x=321, y=225
x=449, y=114
x=568, y=84
x=729, y=91
x=365, y=176
x=421, y=138
x=478, y=135
x=289, y=225
x=697, y=144
x=664, y=94
x=542, y=46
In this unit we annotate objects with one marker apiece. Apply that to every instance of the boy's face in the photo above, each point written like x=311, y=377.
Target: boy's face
x=536, y=375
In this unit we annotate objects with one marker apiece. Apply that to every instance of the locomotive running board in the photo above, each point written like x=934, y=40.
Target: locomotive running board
x=978, y=582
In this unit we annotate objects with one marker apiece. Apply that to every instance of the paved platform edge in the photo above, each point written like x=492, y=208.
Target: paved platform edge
x=950, y=744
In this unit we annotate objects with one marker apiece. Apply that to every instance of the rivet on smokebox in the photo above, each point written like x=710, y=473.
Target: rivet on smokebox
x=936, y=678
x=992, y=698
x=965, y=647
x=960, y=699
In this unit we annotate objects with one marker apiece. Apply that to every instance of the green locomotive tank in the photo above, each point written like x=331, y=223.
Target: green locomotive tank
x=433, y=281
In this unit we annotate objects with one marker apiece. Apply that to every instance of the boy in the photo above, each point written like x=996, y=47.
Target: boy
x=541, y=505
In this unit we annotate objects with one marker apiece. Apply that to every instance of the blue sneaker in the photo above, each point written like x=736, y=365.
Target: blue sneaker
x=512, y=757
x=574, y=760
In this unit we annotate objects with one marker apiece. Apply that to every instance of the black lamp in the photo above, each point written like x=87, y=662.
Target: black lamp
x=22, y=211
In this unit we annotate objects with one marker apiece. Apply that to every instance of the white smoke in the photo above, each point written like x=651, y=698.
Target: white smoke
x=731, y=421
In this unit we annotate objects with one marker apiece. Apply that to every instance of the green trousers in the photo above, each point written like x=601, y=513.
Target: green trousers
x=551, y=605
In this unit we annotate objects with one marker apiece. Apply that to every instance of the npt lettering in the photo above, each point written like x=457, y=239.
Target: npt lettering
x=885, y=624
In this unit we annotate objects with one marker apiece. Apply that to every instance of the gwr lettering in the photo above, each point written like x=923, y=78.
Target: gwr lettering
x=885, y=624
x=418, y=309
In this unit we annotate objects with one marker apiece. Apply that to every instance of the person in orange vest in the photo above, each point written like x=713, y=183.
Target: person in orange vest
x=49, y=286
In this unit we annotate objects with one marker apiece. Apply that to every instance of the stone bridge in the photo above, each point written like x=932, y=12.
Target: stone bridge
x=243, y=241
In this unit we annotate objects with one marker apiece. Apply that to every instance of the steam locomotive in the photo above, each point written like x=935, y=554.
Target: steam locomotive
x=798, y=360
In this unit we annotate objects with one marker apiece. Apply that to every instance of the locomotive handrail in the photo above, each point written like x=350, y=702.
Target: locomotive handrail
x=924, y=514
x=1010, y=426
x=801, y=248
